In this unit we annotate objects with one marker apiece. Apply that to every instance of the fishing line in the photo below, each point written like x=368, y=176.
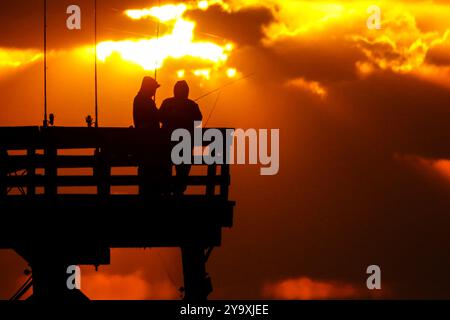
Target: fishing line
x=224, y=86
x=213, y=108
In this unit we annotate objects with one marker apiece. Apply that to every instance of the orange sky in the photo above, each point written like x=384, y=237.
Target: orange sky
x=363, y=117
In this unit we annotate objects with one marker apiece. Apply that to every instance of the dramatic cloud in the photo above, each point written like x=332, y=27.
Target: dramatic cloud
x=433, y=169
x=304, y=288
x=364, y=128
x=134, y=286
x=312, y=86
x=12, y=59
x=402, y=46
x=244, y=27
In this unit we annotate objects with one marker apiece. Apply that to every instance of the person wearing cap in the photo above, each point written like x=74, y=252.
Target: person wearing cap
x=145, y=117
x=145, y=113
x=180, y=112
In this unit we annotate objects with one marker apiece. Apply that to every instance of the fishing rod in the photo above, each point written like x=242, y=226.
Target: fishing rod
x=224, y=86
x=95, y=64
x=45, y=122
x=164, y=24
x=213, y=108
x=23, y=289
x=156, y=60
x=218, y=95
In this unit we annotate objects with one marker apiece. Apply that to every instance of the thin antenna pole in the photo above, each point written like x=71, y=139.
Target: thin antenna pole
x=95, y=64
x=45, y=64
x=156, y=61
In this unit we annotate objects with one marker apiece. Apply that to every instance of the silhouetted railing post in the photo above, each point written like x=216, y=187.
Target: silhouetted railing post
x=103, y=173
x=31, y=172
x=225, y=175
x=212, y=172
x=3, y=173
x=225, y=167
x=210, y=187
x=51, y=171
x=197, y=286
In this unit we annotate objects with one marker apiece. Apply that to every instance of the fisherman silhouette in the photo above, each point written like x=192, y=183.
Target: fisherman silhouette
x=145, y=113
x=145, y=116
x=176, y=113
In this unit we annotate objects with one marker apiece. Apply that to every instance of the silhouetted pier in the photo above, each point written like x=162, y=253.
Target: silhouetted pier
x=51, y=229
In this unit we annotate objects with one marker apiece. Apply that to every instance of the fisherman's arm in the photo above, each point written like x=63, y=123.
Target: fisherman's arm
x=197, y=113
x=162, y=113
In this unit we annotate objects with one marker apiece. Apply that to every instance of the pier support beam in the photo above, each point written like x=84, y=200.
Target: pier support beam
x=197, y=284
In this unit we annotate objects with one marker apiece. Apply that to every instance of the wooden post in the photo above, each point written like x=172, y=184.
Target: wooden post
x=225, y=180
x=103, y=173
x=211, y=186
x=141, y=179
x=3, y=173
x=51, y=171
x=212, y=173
x=31, y=172
x=50, y=281
x=197, y=286
x=225, y=167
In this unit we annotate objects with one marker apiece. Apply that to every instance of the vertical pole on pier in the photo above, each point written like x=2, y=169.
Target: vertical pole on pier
x=225, y=175
x=211, y=174
x=211, y=184
x=45, y=122
x=51, y=171
x=95, y=64
x=197, y=285
x=3, y=173
x=103, y=174
x=31, y=172
x=157, y=38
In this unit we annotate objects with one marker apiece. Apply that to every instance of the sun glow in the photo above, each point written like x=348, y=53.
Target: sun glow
x=204, y=73
x=181, y=73
x=178, y=42
x=231, y=73
x=15, y=58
